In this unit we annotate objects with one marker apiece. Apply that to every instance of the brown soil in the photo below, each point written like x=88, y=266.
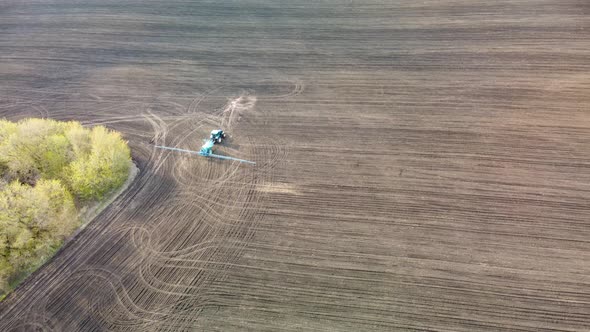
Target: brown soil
x=421, y=165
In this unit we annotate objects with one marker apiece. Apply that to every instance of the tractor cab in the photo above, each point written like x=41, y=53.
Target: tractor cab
x=217, y=136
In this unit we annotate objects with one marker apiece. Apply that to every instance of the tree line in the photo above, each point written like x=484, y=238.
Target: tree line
x=49, y=170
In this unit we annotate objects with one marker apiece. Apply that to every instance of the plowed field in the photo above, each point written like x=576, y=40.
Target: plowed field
x=421, y=165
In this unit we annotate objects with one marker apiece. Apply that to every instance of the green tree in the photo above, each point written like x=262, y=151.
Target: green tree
x=102, y=170
x=33, y=222
x=7, y=129
x=34, y=149
x=79, y=138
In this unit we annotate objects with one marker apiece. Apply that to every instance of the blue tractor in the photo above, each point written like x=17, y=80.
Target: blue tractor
x=217, y=136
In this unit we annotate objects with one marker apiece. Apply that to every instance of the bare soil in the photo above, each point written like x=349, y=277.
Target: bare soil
x=421, y=165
